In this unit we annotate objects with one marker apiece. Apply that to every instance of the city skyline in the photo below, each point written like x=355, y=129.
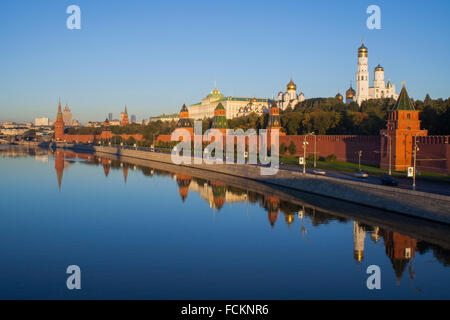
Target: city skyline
x=154, y=57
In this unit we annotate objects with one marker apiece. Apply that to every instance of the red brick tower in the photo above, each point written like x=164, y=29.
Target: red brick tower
x=403, y=125
x=125, y=121
x=185, y=122
x=59, y=125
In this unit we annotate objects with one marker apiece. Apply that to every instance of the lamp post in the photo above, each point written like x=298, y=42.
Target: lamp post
x=305, y=143
x=359, y=159
x=315, y=146
x=390, y=152
x=416, y=148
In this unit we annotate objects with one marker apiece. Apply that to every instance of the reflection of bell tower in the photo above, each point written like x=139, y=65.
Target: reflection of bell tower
x=400, y=249
x=59, y=166
x=359, y=235
x=183, y=181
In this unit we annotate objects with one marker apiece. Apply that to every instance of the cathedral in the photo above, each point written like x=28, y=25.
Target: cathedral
x=380, y=89
x=290, y=97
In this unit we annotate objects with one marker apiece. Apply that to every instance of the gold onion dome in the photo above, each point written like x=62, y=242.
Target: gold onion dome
x=350, y=93
x=379, y=68
x=362, y=49
x=291, y=85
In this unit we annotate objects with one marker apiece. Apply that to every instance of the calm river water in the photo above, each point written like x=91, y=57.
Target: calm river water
x=146, y=233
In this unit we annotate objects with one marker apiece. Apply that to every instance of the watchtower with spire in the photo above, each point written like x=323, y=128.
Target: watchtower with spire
x=59, y=125
x=402, y=128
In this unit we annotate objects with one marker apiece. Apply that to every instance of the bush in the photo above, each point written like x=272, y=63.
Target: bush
x=283, y=149
x=330, y=158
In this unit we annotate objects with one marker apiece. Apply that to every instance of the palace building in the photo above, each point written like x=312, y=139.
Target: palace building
x=380, y=89
x=234, y=106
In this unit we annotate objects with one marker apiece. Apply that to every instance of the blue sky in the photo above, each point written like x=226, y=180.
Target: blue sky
x=156, y=55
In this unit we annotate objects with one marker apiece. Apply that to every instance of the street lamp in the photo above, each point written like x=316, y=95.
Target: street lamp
x=416, y=148
x=315, y=146
x=305, y=143
x=390, y=151
x=359, y=159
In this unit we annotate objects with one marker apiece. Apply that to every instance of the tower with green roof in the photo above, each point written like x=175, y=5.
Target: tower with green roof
x=402, y=127
x=220, y=119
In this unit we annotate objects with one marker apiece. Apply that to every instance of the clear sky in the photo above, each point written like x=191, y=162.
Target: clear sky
x=156, y=55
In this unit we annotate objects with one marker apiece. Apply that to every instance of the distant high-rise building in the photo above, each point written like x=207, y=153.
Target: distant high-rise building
x=67, y=116
x=110, y=116
x=133, y=118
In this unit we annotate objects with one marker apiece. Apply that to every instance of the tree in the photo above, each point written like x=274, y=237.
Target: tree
x=292, y=148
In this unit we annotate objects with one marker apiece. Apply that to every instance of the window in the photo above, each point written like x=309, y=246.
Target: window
x=408, y=116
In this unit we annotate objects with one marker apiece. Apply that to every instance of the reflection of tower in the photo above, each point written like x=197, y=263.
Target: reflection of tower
x=359, y=235
x=183, y=182
x=219, y=192
x=125, y=172
x=106, y=163
x=289, y=218
x=59, y=166
x=374, y=235
x=273, y=207
x=400, y=249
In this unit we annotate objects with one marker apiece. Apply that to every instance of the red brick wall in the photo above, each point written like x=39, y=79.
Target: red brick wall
x=345, y=148
x=434, y=154
x=105, y=135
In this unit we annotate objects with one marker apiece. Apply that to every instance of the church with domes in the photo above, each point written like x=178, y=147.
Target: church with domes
x=290, y=97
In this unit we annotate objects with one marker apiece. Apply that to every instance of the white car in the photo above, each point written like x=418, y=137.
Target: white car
x=319, y=172
x=361, y=175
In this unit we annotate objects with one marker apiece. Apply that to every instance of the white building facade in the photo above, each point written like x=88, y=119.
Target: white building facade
x=234, y=106
x=380, y=89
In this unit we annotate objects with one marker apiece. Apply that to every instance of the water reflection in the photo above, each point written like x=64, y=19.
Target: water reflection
x=399, y=248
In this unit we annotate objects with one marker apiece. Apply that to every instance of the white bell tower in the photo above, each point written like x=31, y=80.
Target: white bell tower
x=362, y=75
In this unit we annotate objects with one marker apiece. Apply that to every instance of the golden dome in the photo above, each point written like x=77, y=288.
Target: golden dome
x=379, y=68
x=363, y=49
x=291, y=86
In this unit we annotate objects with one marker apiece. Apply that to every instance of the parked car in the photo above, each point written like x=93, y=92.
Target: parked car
x=388, y=181
x=319, y=172
x=362, y=175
